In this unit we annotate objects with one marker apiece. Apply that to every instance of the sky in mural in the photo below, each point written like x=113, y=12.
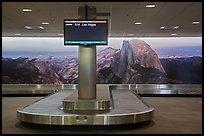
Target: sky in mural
x=14, y=47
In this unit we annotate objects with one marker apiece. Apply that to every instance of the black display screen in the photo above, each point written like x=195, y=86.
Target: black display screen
x=85, y=32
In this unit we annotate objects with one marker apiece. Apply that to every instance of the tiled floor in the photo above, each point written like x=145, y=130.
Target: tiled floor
x=177, y=115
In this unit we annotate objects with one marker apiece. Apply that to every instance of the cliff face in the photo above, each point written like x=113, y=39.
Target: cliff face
x=105, y=74
x=136, y=62
x=145, y=55
x=138, y=52
x=66, y=68
x=105, y=57
x=46, y=72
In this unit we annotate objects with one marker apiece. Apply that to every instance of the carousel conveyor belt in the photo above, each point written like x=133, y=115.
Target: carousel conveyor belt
x=126, y=107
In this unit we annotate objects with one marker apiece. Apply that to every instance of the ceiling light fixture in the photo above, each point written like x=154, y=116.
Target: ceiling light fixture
x=41, y=27
x=169, y=27
x=162, y=27
x=27, y=10
x=173, y=34
x=45, y=23
x=176, y=27
x=138, y=23
x=28, y=27
x=195, y=22
x=150, y=6
x=17, y=34
x=34, y=27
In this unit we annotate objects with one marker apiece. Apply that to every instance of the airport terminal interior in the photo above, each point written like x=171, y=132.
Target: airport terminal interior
x=102, y=67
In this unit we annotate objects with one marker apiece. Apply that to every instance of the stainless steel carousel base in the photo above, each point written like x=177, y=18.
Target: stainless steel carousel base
x=126, y=107
x=101, y=103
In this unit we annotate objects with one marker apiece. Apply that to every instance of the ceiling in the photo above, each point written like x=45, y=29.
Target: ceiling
x=122, y=18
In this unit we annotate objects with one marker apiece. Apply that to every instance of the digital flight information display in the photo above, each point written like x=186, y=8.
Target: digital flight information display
x=85, y=32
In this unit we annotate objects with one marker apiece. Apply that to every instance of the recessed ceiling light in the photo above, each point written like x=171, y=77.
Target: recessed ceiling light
x=41, y=27
x=169, y=27
x=34, y=27
x=150, y=6
x=176, y=27
x=162, y=27
x=17, y=34
x=195, y=22
x=45, y=23
x=28, y=27
x=173, y=34
x=138, y=23
x=27, y=10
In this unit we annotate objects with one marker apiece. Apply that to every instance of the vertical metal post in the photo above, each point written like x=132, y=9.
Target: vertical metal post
x=87, y=61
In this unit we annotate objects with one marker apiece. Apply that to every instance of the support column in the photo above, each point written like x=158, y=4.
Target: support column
x=87, y=61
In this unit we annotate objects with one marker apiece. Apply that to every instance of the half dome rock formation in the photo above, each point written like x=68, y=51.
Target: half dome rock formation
x=138, y=52
x=145, y=55
x=136, y=62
